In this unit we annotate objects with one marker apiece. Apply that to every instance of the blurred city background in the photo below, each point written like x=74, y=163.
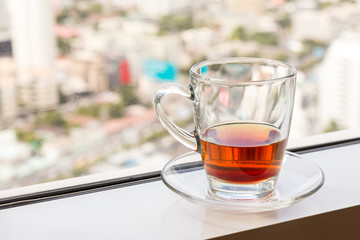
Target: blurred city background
x=77, y=77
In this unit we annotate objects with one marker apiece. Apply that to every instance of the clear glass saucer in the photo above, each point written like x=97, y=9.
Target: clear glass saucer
x=299, y=178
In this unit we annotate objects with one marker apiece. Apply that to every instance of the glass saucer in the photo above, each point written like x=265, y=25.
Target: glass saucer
x=299, y=178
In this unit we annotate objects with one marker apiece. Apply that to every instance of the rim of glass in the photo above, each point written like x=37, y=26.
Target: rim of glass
x=242, y=60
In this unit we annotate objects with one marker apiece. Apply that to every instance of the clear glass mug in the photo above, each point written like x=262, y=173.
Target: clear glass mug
x=242, y=111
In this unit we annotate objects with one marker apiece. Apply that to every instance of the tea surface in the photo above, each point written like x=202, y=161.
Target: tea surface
x=242, y=153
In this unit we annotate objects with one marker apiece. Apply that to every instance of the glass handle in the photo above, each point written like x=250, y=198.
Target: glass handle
x=183, y=136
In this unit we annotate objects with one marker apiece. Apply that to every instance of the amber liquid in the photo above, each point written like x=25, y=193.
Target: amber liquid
x=242, y=153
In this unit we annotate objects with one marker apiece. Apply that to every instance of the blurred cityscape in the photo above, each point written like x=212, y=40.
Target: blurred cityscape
x=77, y=77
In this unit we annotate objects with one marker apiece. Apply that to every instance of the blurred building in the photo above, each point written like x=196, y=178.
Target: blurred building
x=160, y=64
x=5, y=39
x=8, y=99
x=34, y=51
x=158, y=8
x=339, y=85
x=4, y=16
x=304, y=119
x=253, y=15
x=199, y=40
x=5, y=47
x=33, y=21
x=254, y=7
x=310, y=22
x=92, y=68
x=314, y=24
x=83, y=72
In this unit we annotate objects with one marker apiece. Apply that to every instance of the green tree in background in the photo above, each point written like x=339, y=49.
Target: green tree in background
x=27, y=136
x=266, y=38
x=175, y=23
x=332, y=126
x=54, y=118
x=93, y=110
x=285, y=21
x=128, y=95
x=64, y=45
x=240, y=33
x=117, y=110
x=309, y=45
x=96, y=9
x=31, y=138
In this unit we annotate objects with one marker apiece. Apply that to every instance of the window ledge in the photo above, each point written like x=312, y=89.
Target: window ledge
x=95, y=182
x=152, y=211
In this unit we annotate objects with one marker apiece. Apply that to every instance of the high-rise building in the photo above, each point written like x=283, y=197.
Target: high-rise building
x=4, y=17
x=32, y=28
x=339, y=82
x=8, y=104
x=34, y=51
x=5, y=41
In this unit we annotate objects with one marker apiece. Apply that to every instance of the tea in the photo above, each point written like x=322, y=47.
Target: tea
x=242, y=153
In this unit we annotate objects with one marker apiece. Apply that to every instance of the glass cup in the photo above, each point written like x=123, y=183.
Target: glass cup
x=242, y=111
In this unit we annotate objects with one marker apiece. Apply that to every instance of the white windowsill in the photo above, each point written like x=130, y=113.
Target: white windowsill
x=151, y=211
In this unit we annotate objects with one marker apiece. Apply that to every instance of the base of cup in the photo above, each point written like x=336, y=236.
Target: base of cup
x=230, y=191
